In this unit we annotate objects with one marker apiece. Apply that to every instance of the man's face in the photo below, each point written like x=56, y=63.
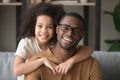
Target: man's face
x=69, y=32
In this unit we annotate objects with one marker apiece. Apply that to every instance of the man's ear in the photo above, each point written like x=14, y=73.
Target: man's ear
x=57, y=29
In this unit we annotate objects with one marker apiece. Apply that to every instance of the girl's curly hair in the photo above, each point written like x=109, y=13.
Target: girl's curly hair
x=27, y=27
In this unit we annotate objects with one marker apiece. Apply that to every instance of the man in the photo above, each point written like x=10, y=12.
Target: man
x=69, y=33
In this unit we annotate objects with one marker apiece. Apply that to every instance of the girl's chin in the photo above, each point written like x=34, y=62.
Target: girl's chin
x=43, y=41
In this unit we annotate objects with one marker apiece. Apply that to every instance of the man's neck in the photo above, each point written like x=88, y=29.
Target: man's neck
x=63, y=54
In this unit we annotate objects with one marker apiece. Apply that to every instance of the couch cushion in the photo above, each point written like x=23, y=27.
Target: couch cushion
x=110, y=63
x=6, y=66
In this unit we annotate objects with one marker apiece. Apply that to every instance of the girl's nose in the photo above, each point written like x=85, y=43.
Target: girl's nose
x=44, y=30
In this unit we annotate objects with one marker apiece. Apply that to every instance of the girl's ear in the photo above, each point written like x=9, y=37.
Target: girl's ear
x=57, y=29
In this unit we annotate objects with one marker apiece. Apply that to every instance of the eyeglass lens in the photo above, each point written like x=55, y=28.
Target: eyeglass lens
x=67, y=28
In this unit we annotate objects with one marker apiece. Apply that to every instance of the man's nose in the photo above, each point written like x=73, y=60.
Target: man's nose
x=70, y=32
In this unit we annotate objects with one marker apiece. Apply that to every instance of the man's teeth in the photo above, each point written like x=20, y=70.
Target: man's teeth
x=68, y=39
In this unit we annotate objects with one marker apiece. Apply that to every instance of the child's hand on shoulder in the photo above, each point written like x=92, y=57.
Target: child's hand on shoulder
x=49, y=64
x=64, y=67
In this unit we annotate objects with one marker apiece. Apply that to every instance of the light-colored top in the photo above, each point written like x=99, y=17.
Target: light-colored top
x=27, y=47
x=86, y=70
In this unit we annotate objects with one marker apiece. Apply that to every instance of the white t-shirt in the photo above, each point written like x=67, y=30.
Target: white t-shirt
x=27, y=47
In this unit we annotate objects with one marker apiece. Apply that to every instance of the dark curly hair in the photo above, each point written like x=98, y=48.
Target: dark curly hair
x=27, y=27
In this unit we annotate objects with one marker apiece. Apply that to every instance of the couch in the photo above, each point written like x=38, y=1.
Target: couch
x=6, y=66
x=110, y=63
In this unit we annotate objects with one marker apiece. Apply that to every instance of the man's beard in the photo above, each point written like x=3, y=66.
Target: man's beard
x=67, y=48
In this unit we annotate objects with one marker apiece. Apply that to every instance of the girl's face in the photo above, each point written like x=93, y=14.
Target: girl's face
x=44, y=29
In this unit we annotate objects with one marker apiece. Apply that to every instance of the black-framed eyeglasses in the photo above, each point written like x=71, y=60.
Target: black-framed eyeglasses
x=67, y=28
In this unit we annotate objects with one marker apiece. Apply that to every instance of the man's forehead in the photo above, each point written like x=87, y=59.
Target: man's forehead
x=70, y=17
x=71, y=20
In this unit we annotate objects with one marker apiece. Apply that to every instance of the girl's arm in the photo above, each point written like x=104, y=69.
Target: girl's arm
x=21, y=67
x=83, y=53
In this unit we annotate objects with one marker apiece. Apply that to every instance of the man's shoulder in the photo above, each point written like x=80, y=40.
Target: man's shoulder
x=90, y=60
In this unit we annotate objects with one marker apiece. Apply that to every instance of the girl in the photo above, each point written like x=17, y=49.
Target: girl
x=38, y=33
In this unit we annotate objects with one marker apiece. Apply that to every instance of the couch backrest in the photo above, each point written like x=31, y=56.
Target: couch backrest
x=110, y=63
x=6, y=66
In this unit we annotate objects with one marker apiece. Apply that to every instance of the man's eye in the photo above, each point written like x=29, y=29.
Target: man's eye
x=66, y=28
x=78, y=31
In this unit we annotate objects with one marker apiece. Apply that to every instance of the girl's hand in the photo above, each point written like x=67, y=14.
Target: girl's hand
x=49, y=64
x=65, y=66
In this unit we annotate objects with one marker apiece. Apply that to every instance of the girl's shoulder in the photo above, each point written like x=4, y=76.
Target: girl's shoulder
x=27, y=45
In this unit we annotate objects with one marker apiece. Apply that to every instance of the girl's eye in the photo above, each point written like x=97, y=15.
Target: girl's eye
x=39, y=26
x=51, y=26
x=48, y=26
